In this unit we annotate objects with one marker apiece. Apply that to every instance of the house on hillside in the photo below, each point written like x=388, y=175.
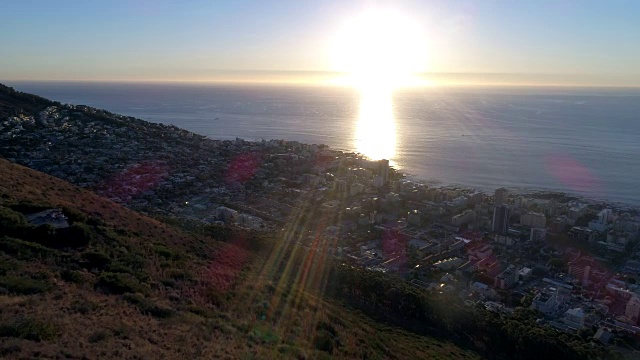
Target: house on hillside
x=53, y=217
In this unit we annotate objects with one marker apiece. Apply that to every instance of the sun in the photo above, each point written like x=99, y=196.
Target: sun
x=380, y=48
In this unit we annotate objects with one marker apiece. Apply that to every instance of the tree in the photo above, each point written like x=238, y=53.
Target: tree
x=526, y=300
x=556, y=263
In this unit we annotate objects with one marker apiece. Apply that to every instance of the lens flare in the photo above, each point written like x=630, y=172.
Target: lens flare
x=380, y=48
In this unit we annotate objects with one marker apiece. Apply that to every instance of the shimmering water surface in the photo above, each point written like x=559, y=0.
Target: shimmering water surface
x=584, y=141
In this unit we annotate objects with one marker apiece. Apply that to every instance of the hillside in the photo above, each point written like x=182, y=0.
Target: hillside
x=15, y=102
x=99, y=278
x=117, y=284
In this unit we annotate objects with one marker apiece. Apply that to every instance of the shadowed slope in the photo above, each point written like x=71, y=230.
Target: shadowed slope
x=137, y=287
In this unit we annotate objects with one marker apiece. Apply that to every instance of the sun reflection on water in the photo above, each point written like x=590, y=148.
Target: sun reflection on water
x=375, y=132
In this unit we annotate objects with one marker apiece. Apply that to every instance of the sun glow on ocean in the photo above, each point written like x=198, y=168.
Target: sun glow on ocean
x=380, y=51
x=375, y=132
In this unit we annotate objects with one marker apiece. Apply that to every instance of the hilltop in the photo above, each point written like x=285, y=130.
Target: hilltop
x=13, y=103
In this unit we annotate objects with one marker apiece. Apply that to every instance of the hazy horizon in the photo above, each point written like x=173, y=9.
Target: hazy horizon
x=328, y=78
x=553, y=43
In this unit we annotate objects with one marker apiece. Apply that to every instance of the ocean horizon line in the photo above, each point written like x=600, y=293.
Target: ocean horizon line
x=327, y=78
x=301, y=83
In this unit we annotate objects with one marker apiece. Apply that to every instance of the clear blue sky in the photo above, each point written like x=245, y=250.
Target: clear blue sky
x=190, y=40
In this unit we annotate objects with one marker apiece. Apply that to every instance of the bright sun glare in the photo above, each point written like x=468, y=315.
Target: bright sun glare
x=379, y=51
x=380, y=48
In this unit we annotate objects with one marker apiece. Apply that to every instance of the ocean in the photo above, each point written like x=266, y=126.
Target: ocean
x=583, y=141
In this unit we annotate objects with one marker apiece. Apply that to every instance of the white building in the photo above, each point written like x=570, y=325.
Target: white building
x=520, y=202
x=226, y=214
x=546, y=301
x=525, y=273
x=504, y=240
x=601, y=224
x=582, y=233
x=463, y=218
x=537, y=234
x=475, y=198
x=534, y=220
x=450, y=263
x=507, y=278
x=577, y=210
x=482, y=289
x=249, y=221
x=632, y=311
x=574, y=318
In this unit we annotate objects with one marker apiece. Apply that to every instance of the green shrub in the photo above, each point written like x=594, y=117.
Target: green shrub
x=201, y=311
x=133, y=261
x=177, y=274
x=24, y=250
x=29, y=329
x=93, y=221
x=118, y=267
x=169, y=283
x=95, y=260
x=30, y=207
x=6, y=264
x=118, y=283
x=134, y=299
x=41, y=275
x=122, y=232
x=24, y=286
x=75, y=216
x=11, y=222
x=323, y=325
x=99, y=336
x=147, y=307
x=75, y=236
x=324, y=342
x=159, y=311
x=165, y=252
x=255, y=336
x=291, y=352
x=44, y=234
x=73, y=276
x=121, y=331
x=9, y=349
x=83, y=306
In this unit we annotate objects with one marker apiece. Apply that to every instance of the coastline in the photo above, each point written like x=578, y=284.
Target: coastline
x=564, y=196
x=531, y=192
x=433, y=182
x=429, y=147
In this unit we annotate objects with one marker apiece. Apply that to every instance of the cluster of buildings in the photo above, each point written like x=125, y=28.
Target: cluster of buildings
x=576, y=263
x=163, y=170
x=502, y=251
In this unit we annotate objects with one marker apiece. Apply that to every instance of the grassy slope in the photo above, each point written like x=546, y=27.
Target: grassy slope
x=197, y=298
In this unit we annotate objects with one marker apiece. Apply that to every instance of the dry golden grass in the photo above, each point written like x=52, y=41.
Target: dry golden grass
x=202, y=299
x=19, y=182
